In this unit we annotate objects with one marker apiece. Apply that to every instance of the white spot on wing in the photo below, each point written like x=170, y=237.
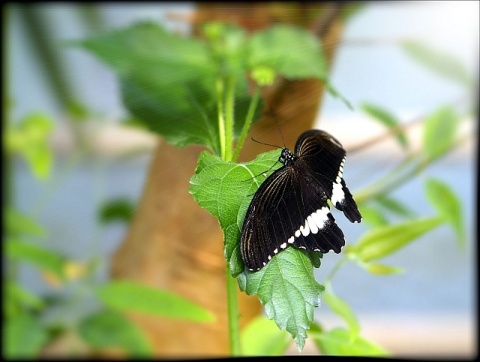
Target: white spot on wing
x=337, y=193
x=312, y=225
x=317, y=218
x=305, y=230
x=283, y=246
x=291, y=240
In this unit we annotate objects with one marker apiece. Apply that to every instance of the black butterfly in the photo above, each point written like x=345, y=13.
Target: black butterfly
x=290, y=207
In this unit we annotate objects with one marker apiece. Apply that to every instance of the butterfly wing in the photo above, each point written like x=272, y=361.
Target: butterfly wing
x=323, y=156
x=287, y=210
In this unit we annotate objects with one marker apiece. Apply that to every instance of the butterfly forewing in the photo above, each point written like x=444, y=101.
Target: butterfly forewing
x=290, y=207
x=325, y=158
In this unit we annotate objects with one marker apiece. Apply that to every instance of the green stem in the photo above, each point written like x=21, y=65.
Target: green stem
x=226, y=103
x=221, y=120
x=335, y=269
x=229, y=116
x=233, y=314
x=248, y=122
x=393, y=183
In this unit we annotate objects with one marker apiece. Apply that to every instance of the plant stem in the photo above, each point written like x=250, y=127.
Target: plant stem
x=335, y=269
x=248, y=122
x=226, y=101
x=391, y=184
x=229, y=116
x=221, y=120
x=233, y=314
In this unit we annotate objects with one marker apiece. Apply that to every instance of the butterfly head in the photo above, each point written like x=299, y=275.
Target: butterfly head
x=286, y=157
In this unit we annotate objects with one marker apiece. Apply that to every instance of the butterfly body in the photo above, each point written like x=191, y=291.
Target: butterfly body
x=290, y=207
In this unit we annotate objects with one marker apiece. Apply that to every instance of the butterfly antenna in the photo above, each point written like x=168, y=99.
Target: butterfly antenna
x=263, y=143
x=274, y=118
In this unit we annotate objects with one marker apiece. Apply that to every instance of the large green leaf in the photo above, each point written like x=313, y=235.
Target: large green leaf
x=383, y=241
x=169, y=82
x=287, y=288
x=130, y=296
x=225, y=189
x=442, y=197
x=109, y=328
x=146, y=43
x=23, y=337
x=292, y=52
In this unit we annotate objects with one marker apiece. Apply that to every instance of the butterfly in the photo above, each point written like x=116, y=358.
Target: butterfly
x=290, y=207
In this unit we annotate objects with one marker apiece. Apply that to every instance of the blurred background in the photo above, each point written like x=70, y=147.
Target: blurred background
x=429, y=309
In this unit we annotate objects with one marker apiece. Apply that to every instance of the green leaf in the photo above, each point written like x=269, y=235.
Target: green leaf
x=343, y=310
x=383, y=241
x=442, y=197
x=439, y=131
x=440, y=62
x=40, y=159
x=393, y=206
x=120, y=209
x=29, y=138
x=17, y=223
x=261, y=337
x=387, y=119
x=373, y=216
x=23, y=337
x=287, y=288
x=337, y=342
x=17, y=296
x=225, y=190
x=130, y=296
x=227, y=45
x=37, y=255
x=168, y=82
x=147, y=42
x=382, y=269
x=109, y=328
x=34, y=128
x=293, y=52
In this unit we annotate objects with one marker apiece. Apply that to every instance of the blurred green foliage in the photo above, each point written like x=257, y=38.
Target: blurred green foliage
x=182, y=88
